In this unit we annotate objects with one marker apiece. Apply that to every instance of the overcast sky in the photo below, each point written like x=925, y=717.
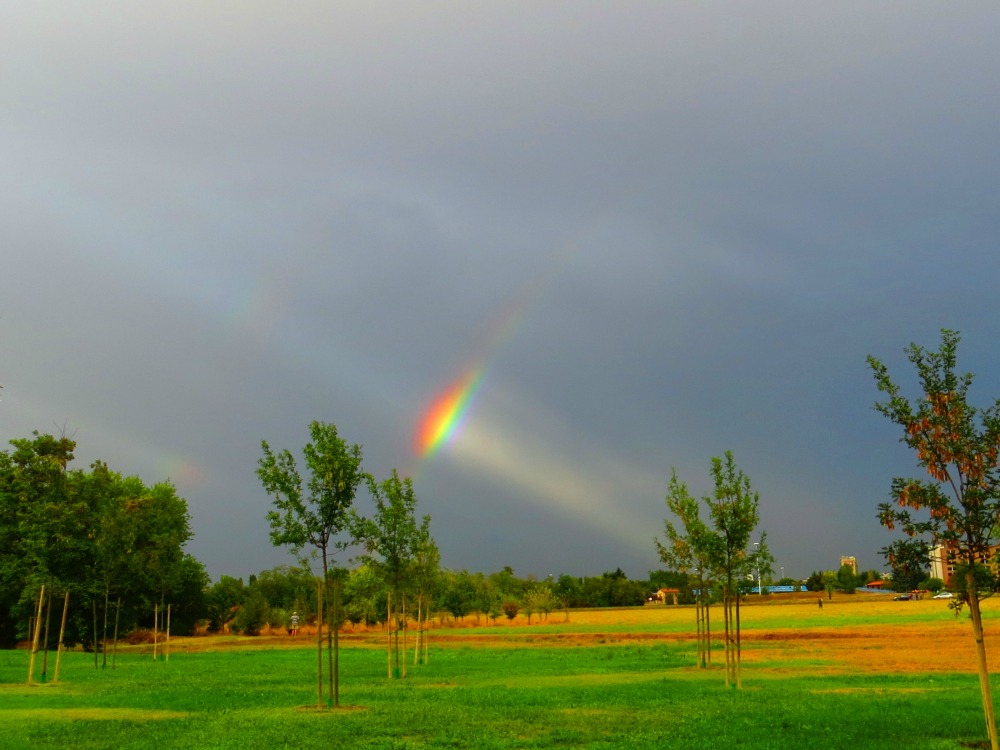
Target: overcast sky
x=663, y=230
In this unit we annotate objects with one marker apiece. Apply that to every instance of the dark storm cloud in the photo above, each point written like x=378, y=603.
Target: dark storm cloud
x=219, y=226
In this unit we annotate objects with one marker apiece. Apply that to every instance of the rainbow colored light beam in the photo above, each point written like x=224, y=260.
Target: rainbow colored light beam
x=442, y=420
x=441, y=423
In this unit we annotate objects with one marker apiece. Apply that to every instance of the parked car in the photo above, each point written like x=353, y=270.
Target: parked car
x=902, y=598
x=944, y=595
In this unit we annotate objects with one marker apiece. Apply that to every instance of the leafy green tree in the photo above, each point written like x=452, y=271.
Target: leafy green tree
x=223, y=601
x=425, y=574
x=485, y=597
x=734, y=514
x=289, y=588
x=364, y=592
x=957, y=508
x=392, y=538
x=830, y=583
x=315, y=513
x=815, y=582
x=567, y=590
x=459, y=595
x=847, y=581
x=94, y=534
x=692, y=550
x=252, y=614
x=540, y=599
x=933, y=585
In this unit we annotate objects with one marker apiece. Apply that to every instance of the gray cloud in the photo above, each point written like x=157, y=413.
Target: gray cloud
x=219, y=226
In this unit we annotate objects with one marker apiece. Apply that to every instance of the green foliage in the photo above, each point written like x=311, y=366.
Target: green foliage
x=540, y=600
x=931, y=584
x=252, y=615
x=847, y=581
x=96, y=534
x=959, y=447
x=957, y=508
x=312, y=512
x=223, y=601
x=815, y=581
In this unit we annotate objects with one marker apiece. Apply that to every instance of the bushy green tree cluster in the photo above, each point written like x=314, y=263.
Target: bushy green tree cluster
x=113, y=543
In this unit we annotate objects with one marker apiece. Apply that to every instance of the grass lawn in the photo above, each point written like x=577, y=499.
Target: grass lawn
x=602, y=680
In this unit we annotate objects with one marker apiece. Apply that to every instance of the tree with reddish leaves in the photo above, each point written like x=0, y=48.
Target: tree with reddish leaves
x=955, y=512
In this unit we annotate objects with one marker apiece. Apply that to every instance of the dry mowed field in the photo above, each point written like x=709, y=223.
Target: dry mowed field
x=849, y=634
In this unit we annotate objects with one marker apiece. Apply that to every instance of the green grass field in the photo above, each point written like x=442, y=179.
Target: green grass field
x=615, y=694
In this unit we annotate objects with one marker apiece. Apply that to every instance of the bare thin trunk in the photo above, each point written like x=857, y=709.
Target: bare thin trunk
x=37, y=635
x=45, y=651
x=166, y=647
x=403, y=660
x=319, y=644
x=981, y=664
x=104, y=636
x=156, y=625
x=420, y=631
x=114, y=638
x=388, y=629
x=62, y=635
x=708, y=631
x=335, y=668
x=739, y=649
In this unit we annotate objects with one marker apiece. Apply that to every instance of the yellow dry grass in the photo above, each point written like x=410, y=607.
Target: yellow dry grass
x=921, y=636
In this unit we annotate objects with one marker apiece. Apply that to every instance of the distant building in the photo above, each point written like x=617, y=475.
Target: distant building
x=946, y=558
x=850, y=561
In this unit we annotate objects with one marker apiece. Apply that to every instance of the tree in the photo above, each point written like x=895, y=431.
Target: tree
x=815, y=581
x=425, y=572
x=223, y=601
x=392, y=539
x=691, y=550
x=956, y=510
x=315, y=513
x=733, y=509
x=847, y=581
x=540, y=599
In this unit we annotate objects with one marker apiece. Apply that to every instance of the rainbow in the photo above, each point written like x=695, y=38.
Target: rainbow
x=442, y=420
x=441, y=423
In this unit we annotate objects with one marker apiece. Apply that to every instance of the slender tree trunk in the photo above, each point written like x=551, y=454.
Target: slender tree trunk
x=739, y=645
x=319, y=643
x=156, y=624
x=114, y=638
x=37, y=635
x=699, y=630
x=104, y=636
x=728, y=617
x=708, y=630
x=45, y=649
x=981, y=664
x=331, y=628
x=62, y=635
x=389, y=624
x=335, y=669
x=93, y=610
x=420, y=631
x=166, y=646
x=402, y=661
